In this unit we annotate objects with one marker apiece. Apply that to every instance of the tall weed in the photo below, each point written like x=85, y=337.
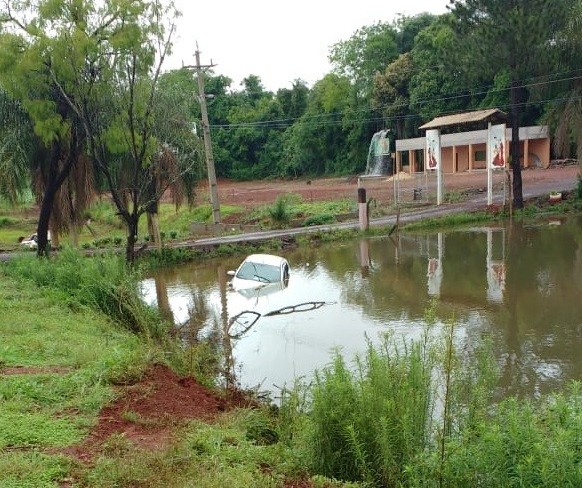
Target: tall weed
x=103, y=283
x=421, y=414
x=368, y=424
x=280, y=212
x=519, y=443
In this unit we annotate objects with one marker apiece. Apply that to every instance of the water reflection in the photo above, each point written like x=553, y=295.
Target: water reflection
x=521, y=287
x=435, y=269
x=495, y=265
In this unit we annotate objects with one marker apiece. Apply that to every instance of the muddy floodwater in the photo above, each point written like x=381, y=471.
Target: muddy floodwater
x=520, y=286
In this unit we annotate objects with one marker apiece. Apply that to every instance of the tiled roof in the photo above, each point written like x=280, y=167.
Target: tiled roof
x=491, y=114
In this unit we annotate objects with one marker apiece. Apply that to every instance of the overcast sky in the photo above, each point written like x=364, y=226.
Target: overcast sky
x=278, y=41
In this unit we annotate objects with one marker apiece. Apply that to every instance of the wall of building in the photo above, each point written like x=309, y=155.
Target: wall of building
x=466, y=151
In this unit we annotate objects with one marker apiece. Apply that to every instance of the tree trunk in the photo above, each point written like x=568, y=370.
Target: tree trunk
x=515, y=153
x=154, y=230
x=43, y=220
x=51, y=187
x=53, y=238
x=131, y=239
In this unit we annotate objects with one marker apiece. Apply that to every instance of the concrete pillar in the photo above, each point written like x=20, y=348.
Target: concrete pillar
x=363, y=209
x=412, y=164
x=525, y=153
x=471, y=157
x=398, y=161
x=454, y=159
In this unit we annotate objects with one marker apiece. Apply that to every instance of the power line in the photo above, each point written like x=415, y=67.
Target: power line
x=287, y=122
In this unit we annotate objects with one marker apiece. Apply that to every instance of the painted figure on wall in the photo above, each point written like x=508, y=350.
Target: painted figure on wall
x=497, y=146
x=433, y=149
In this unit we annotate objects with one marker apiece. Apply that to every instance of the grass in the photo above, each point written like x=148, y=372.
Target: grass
x=104, y=226
x=226, y=453
x=291, y=207
x=104, y=284
x=41, y=413
x=32, y=469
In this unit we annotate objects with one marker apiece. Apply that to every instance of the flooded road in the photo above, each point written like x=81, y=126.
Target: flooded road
x=520, y=286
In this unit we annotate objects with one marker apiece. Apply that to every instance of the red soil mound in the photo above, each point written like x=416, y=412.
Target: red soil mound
x=146, y=412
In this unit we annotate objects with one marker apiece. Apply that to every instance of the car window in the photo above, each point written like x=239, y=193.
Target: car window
x=265, y=273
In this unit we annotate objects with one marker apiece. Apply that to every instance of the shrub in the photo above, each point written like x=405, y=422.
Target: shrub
x=280, y=212
x=368, y=424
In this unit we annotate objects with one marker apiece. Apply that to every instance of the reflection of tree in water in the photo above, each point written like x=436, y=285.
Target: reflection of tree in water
x=198, y=315
x=202, y=355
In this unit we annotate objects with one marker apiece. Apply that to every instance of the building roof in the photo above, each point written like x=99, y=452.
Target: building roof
x=489, y=115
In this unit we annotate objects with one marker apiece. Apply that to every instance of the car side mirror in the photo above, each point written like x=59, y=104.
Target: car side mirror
x=230, y=273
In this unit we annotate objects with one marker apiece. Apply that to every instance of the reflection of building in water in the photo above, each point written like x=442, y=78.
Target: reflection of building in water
x=495, y=266
x=435, y=269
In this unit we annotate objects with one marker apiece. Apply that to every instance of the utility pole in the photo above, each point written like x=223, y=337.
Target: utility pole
x=207, y=141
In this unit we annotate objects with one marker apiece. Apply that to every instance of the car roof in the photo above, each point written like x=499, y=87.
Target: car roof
x=266, y=259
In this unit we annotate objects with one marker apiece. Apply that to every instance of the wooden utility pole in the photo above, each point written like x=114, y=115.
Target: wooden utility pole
x=207, y=141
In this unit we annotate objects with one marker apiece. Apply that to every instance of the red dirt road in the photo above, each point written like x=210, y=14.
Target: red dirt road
x=536, y=181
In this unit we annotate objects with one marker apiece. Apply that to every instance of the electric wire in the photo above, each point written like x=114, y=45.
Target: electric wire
x=339, y=116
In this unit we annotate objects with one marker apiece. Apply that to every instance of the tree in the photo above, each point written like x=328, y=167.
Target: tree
x=367, y=52
x=87, y=73
x=318, y=143
x=438, y=85
x=293, y=101
x=17, y=146
x=390, y=94
x=513, y=35
x=32, y=71
x=407, y=28
x=567, y=110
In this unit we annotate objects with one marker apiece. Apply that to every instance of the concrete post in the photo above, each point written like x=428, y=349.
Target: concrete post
x=363, y=209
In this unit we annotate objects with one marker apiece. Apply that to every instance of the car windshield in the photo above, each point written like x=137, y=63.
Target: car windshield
x=265, y=273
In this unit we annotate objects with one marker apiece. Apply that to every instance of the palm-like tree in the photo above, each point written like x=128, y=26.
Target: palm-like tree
x=17, y=144
x=23, y=167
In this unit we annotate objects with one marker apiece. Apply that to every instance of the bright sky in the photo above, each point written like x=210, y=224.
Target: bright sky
x=278, y=41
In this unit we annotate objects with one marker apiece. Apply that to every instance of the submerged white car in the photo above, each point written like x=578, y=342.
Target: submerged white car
x=259, y=270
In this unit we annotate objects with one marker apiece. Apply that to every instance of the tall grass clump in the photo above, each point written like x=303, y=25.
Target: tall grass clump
x=368, y=423
x=103, y=283
x=280, y=212
x=534, y=443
